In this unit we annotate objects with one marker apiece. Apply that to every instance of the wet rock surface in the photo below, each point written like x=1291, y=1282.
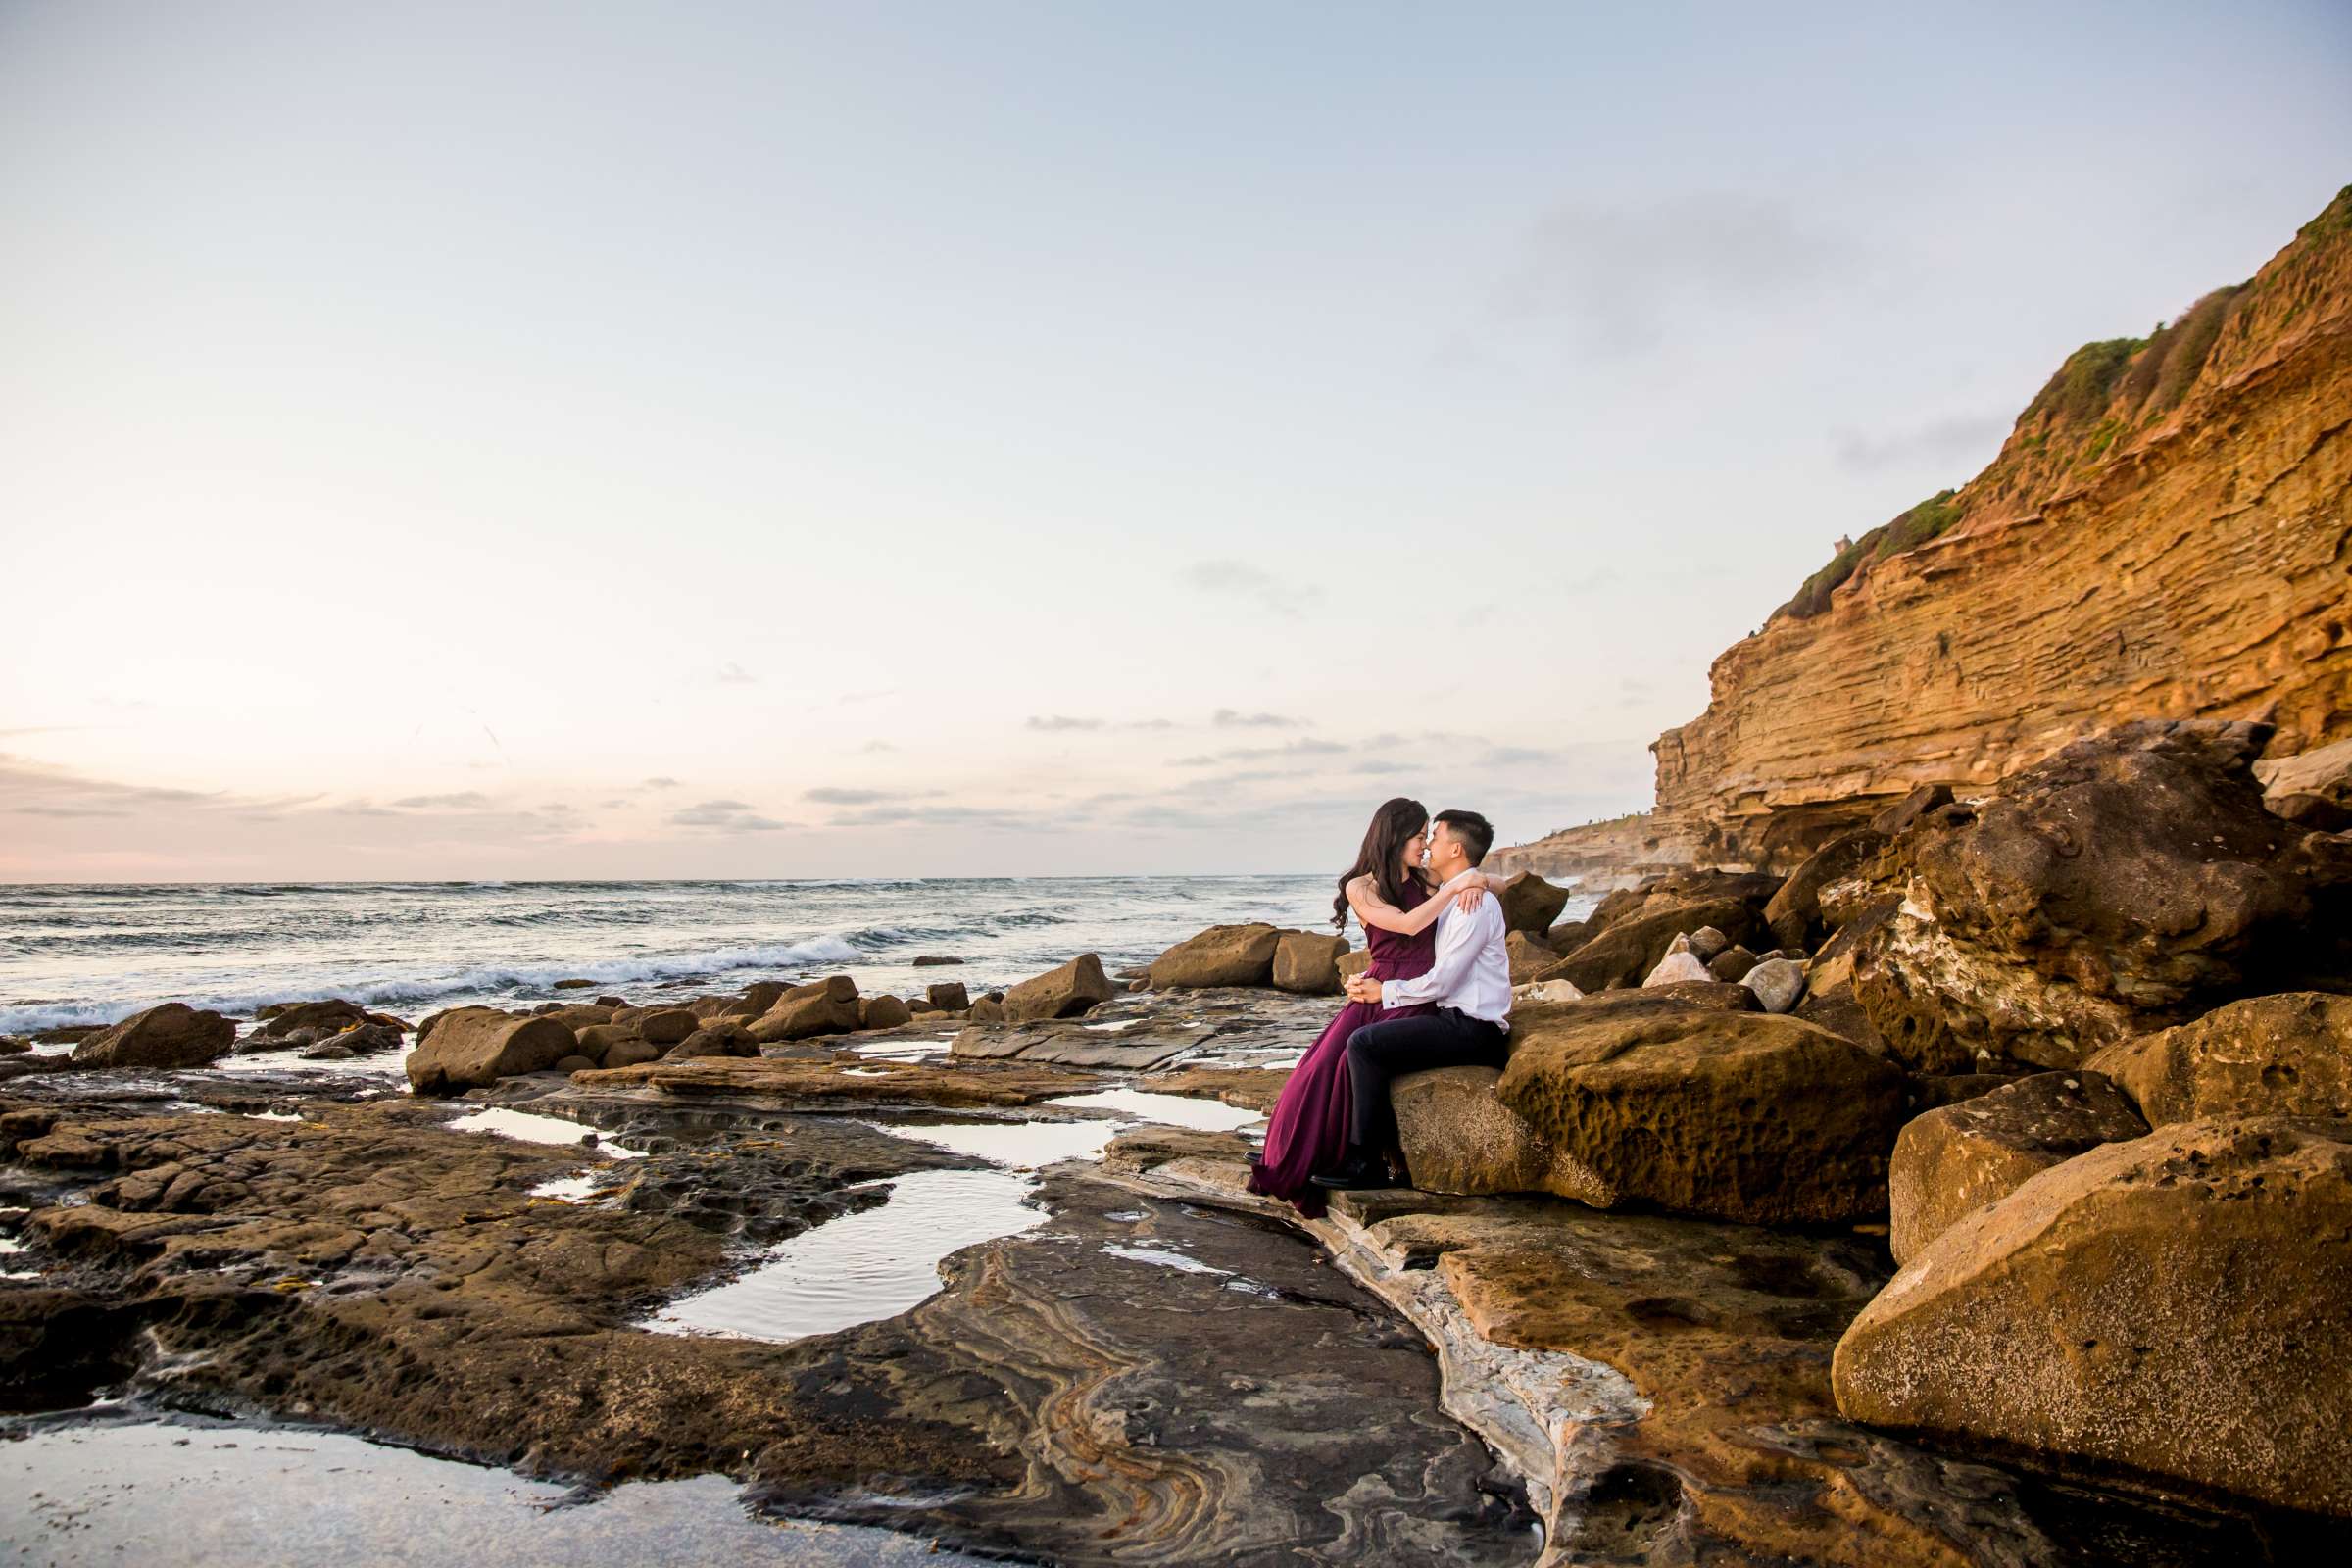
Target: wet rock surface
x=1159, y=1368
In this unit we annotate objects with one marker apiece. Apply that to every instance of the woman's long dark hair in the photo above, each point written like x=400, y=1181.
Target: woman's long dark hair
x=1382, y=853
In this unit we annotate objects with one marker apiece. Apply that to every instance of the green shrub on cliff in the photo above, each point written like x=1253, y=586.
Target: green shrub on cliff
x=2084, y=383
x=1921, y=524
x=2160, y=377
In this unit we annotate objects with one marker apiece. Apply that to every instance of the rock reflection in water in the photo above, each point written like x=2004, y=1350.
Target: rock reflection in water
x=873, y=1264
x=235, y=1495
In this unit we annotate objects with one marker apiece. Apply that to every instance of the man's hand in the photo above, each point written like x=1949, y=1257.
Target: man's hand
x=1363, y=987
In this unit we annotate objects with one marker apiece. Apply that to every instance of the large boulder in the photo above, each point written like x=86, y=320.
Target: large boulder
x=471, y=1048
x=1962, y=1156
x=316, y=1019
x=1629, y=949
x=1530, y=903
x=884, y=1012
x=667, y=1026
x=1351, y=964
x=1308, y=963
x=1221, y=955
x=949, y=995
x=2311, y=788
x=2288, y=1055
x=596, y=1041
x=1459, y=1137
x=722, y=1039
x=1527, y=955
x=1735, y=1115
x=2118, y=887
x=2175, y=1306
x=173, y=1034
x=578, y=1015
x=1910, y=809
x=827, y=1007
x=1060, y=993
x=1794, y=912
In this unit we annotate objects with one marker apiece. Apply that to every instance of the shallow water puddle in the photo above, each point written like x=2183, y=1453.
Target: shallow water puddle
x=872, y=1264
x=235, y=1495
x=567, y=1189
x=1174, y=1110
x=531, y=1128
x=1022, y=1144
x=1163, y=1257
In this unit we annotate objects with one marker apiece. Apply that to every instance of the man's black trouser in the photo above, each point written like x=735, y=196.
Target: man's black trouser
x=1380, y=1052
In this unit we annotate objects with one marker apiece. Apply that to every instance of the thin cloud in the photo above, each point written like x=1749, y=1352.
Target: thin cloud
x=1309, y=746
x=725, y=816
x=992, y=819
x=1617, y=274
x=1518, y=756
x=1235, y=719
x=660, y=783
x=1056, y=722
x=832, y=795
x=1251, y=584
x=1953, y=441
x=731, y=673
x=463, y=801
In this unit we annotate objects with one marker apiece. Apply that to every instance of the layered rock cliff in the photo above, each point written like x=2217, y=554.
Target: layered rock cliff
x=2167, y=533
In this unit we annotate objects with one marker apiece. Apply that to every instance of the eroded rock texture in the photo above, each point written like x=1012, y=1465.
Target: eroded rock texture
x=2102, y=893
x=2176, y=1304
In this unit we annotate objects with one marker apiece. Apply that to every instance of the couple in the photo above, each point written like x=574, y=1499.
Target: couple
x=1437, y=994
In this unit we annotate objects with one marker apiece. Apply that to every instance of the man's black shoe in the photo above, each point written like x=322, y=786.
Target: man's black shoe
x=1358, y=1174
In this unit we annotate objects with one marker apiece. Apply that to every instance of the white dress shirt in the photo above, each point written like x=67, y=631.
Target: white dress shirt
x=1472, y=974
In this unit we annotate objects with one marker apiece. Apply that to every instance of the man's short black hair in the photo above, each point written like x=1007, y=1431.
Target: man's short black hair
x=1474, y=832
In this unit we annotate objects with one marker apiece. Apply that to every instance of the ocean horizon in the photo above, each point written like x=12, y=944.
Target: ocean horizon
x=77, y=954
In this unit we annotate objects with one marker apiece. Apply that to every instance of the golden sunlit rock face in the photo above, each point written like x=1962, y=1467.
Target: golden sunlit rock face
x=2167, y=533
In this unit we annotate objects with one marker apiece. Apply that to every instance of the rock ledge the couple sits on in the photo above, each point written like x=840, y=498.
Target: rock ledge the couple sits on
x=1459, y=1137
x=173, y=1034
x=2175, y=1306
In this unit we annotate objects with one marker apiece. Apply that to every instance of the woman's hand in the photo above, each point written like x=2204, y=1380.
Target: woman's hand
x=1466, y=900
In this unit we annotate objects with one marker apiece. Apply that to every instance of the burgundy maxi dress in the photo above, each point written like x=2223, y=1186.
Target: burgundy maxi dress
x=1308, y=1129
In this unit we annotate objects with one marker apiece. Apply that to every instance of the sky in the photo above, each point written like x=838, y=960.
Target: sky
x=603, y=440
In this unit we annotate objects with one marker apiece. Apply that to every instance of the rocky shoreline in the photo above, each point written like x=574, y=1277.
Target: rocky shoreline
x=1975, y=1194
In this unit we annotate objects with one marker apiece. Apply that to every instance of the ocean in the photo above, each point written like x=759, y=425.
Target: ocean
x=94, y=954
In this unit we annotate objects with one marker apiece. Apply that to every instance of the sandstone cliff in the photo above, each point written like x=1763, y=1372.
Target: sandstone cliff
x=2167, y=533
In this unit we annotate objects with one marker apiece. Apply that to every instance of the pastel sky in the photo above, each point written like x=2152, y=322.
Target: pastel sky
x=448, y=440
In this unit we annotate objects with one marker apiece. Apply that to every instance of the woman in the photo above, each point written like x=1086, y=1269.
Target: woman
x=1398, y=906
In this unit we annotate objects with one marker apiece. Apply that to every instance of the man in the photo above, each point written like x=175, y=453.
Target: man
x=1471, y=985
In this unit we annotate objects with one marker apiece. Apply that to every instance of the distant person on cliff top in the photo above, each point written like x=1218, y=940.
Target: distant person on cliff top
x=1459, y=1013
x=1390, y=892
